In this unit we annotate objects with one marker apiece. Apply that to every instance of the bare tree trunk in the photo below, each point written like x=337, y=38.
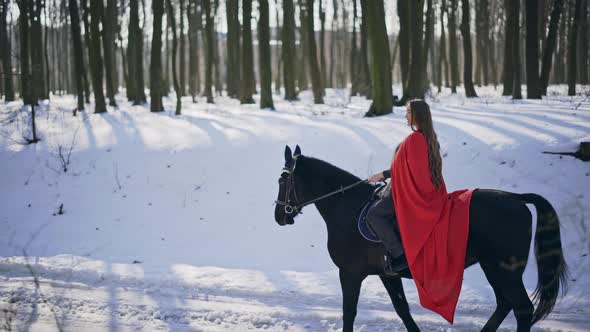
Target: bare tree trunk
x=172, y=23
x=532, y=50
x=380, y=67
x=156, y=79
x=515, y=12
x=247, y=55
x=5, y=53
x=334, y=34
x=364, y=73
x=46, y=55
x=108, y=47
x=278, y=50
x=403, y=12
x=135, y=84
x=453, y=45
x=233, y=48
x=96, y=64
x=323, y=68
x=194, y=24
x=550, y=44
x=443, y=62
x=78, y=55
x=571, y=58
x=508, y=69
x=428, y=47
x=264, y=59
x=209, y=51
x=288, y=48
x=354, y=89
x=559, y=69
x=468, y=64
x=302, y=79
x=487, y=43
x=583, y=44
x=181, y=55
x=315, y=72
x=416, y=79
x=36, y=51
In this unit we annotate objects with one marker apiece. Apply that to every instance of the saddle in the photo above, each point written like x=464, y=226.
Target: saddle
x=366, y=230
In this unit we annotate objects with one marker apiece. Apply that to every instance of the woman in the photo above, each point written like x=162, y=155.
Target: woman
x=433, y=224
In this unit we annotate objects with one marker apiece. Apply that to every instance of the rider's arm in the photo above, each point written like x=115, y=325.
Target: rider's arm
x=387, y=174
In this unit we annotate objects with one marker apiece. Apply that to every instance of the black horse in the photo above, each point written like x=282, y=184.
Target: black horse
x=500, y=231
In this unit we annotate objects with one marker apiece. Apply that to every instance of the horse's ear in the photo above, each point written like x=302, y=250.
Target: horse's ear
x=288, y=156
x=297, y=151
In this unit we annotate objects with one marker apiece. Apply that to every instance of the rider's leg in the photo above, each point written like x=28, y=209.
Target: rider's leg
x=381, y=219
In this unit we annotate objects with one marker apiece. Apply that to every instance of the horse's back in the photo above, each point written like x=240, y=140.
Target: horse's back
x=499, y=225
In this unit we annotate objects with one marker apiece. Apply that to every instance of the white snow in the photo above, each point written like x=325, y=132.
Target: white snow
x=168, y=220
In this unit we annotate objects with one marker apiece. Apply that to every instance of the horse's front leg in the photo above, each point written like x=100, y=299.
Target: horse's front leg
x=395, y=289
x=351, y=287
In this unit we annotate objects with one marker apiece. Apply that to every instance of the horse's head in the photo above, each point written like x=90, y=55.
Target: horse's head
x=287, y=202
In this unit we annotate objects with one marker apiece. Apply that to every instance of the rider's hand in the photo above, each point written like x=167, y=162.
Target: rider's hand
x=376, y=177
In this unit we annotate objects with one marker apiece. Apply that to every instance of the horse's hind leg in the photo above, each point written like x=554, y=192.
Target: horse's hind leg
x=395, y=289
x=502, y=304
x=522, y=305
x=351, y=287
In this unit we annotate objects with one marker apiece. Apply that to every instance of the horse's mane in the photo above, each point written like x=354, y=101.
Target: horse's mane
x=327, y=171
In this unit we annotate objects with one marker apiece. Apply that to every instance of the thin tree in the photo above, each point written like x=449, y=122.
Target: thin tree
x=194, y=25
x=428, y=47
x=36, y=51
x=279, y=64
x=583, y=47
x=172, y=21
x=182, y=51
x=403, y=13
x=233, y=48
x=467, y=59
x=508, y=68
x=322, y=12
x=108, y=42
x=25, y=74
x=380, y=66
x=314, y=67
x=135, y=82
x=532, y=50
x=334, y=37
x=416, y=75
x=96, y=64
x=247, y=54
x=550, y=45
x=302, y=79
x=216, y=54
x=515, y=40
x=288, y=49
x=572, y=53
x=209, y=50
x=442, y=59
x=363, y=70
x=156, y=79
x=78, y=55
x=453, y=45
x=264, y=59
x=354, y=86
x=5, y=53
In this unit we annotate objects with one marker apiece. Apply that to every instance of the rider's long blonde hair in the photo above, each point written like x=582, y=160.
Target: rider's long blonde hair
x=421, y=116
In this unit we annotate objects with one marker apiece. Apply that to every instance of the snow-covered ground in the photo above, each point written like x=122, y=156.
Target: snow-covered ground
x=168, y=220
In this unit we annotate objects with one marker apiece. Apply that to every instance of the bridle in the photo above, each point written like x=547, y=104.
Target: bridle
x=296, y=206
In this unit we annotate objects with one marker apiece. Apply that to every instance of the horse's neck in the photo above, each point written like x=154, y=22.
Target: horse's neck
x=334, y=208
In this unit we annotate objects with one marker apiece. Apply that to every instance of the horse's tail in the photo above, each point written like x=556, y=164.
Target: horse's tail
x=551, y=267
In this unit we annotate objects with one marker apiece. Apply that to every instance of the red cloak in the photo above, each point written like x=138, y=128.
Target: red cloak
x=434, y=226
